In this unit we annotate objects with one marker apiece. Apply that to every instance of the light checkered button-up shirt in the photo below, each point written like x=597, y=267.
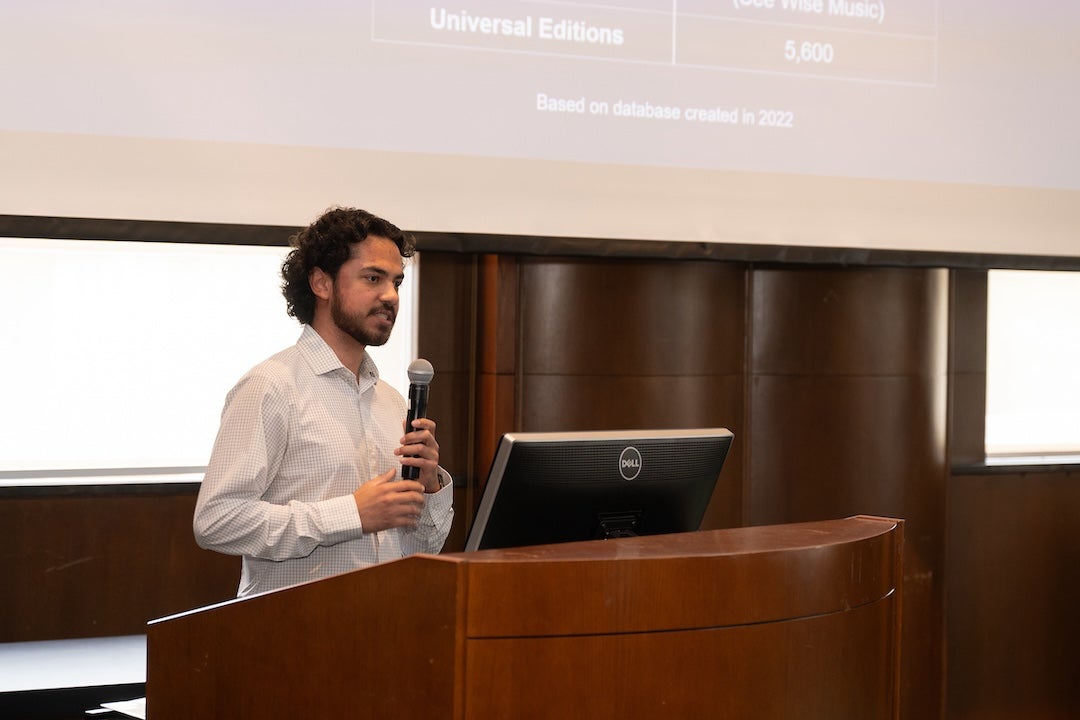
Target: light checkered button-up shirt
x=298, y=435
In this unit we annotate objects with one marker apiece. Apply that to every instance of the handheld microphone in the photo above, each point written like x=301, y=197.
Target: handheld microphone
x=420, y=374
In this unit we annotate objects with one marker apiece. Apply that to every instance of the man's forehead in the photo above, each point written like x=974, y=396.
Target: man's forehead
x=377, y=249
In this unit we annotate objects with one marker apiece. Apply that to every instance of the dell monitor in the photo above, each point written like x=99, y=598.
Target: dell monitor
x=564, y=486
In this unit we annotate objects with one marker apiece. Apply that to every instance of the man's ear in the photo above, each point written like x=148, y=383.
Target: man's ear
x=321, y=284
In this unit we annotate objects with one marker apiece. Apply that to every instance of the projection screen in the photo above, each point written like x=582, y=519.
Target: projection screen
x=924, y=125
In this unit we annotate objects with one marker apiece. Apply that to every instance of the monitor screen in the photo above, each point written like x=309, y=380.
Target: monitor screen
x=565, y=486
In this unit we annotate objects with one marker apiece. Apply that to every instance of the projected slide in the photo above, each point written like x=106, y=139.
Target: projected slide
x=544, y=108
x=795, y=85
x=841, y=38
x=747, y=84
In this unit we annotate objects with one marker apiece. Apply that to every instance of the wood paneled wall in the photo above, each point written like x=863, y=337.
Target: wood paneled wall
x=831, y=378
x=1014, y=594
x=447, y=338
x=91, y=563
x=848, y=379
x=588, y=344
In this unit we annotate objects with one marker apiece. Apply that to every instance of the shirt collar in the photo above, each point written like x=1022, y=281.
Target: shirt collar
x=323, y=360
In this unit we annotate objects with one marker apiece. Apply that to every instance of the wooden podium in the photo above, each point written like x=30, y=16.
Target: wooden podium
x=786, y=621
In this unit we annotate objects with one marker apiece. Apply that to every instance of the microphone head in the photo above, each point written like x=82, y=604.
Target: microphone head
x=420, y=371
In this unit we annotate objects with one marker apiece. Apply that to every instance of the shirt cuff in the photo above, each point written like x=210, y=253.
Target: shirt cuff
x=339, y=520
x=438, y=503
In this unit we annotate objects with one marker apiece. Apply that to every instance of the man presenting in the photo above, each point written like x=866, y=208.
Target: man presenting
x=304, y=478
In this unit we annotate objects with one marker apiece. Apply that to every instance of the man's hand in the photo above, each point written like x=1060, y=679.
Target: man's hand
x=420, y=448
x=384, y=503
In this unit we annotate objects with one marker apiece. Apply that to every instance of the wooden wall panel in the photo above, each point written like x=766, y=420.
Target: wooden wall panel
x=635, y=344
x=631, y=317
x=89, y=565
x=447, y=337
x=577, y=402
x=1014, y=591
x=848, y=407
x=826, y=447
x=849, y=321
x=967, y=367
x=496, y=368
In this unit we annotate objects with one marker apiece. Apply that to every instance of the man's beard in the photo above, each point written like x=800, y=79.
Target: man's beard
x=354, y=327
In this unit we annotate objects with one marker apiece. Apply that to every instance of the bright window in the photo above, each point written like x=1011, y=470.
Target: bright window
x=1033, y=363
x=118, y=355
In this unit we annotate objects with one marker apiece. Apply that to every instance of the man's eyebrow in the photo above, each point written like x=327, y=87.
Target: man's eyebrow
x=376, y=270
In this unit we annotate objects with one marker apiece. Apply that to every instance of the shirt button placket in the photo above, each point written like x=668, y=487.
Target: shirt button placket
x=366, y=454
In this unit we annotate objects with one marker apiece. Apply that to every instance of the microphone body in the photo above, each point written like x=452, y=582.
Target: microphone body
x=420, y=374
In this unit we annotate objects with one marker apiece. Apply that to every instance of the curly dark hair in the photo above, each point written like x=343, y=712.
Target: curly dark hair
x=326, y=244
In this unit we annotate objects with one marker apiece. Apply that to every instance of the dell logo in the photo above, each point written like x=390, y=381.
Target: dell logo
x=630, y=463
